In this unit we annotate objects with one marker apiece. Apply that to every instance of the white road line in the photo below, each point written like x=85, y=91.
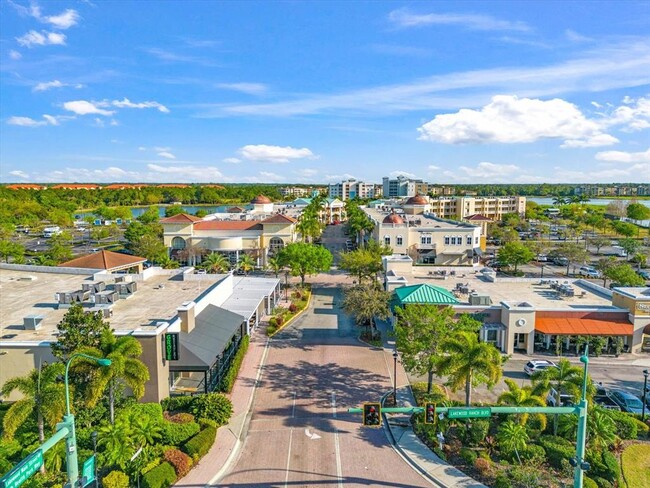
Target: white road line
x=286, y=478
x=339, y=471
x=334, y=404
x=293, y=407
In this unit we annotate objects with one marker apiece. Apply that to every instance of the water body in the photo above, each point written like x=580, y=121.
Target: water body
x=595, y=201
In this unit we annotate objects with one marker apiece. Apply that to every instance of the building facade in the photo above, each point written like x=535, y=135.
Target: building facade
x=349, y=189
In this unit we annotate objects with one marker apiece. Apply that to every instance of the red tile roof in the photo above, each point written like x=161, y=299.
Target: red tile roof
x=583, y=326
x=182, y=218
x=478, y=217
x=279, y=219
x=26, y=186
x=228, y=225
x=122, y=186
x=261, y=199
x=76, y=186
x=103, y=260
x=173, y=185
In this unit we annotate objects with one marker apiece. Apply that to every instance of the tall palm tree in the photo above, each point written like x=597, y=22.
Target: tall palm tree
x=558, y=200
x=564, y=379
x=246, y=263
x=125, y=367
x=216, y=263
x=512, y=437
x=43, y=397
x=469, y=362
x=601, y=428
x=526, y=396
x=275, y=265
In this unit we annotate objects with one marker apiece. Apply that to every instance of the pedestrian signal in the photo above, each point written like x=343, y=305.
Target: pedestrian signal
x=372, y=414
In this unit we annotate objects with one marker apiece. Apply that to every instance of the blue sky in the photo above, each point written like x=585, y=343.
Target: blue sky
x=200, y=91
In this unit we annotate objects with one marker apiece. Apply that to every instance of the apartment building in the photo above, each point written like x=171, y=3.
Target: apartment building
x=350, y=189
x=612, y=190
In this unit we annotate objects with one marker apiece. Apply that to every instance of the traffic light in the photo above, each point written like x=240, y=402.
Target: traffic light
x=372, y=414
x=430, y=413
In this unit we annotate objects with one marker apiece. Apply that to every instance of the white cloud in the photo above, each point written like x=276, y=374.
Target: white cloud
x=487, y=172
x=633, y=115
x=624, y=157
x=268, y=176
x=142, y=148
x=187, y=173
x=34, y=38
x=19, y=174
x=13, y=54
x=395, y=174
x=29, y=122
x=126, y=103
x=307, y=172
x=64, y=20
x=343, y=177
x=84, y=107
x=51, y=119
x=274, y=154
x=509, y=119
x=433, y=167
x=232, y=160
x=248, y=88
x=46, y=85
x=573, y=36
x=166, y=154
x=405, y=18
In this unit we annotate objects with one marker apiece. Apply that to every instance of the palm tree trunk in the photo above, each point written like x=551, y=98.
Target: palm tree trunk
x=111, y=401
x=429, y=382
x=557, y=404
x=41, y=434
x=468, y=389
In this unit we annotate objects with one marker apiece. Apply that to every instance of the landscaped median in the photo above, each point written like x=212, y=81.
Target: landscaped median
x=281, y=316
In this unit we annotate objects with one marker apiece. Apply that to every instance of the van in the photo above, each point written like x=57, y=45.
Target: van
x=619, y=251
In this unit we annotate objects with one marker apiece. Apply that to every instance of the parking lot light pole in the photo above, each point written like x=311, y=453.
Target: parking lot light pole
x=395, y=376
x=645, y=393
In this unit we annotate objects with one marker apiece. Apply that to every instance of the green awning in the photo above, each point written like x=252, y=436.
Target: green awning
x=423, y=293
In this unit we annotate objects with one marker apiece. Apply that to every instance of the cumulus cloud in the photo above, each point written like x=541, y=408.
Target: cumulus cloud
x=343, y=177
x=509, y=119
x=13, y=54
x=405, y=18
x=84, y=107
x=66, y=19
x=19, y=174
x=488, y=172
x=232, y=160
x=126, y=103
x=248, y=88
x=624, y=157
x=166, y=154
x=274, y=154
x=29, y=122
x=633, y=115
x=395, y=174
x=433, y=167
x=34, y=38
x=46, y=85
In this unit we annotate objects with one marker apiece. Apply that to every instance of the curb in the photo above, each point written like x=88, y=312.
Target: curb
x=298, y=314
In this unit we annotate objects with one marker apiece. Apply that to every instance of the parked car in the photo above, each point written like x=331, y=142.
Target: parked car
x=566, y=400
x=542, y=258
x=627, y=401
x=537, y=365
x=589, y=272
x=606, y=403
x=644, y=274
x=619, y=251
x=560, y=261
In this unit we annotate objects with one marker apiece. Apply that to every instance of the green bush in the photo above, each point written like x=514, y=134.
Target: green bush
x=502, y=481
x=273, y=322
x=643, y=430
x=469, y=456
x=162, y=476
x=213, y=406
x=177, y=403
x=626, y=425
x=174, y=434
x=200, y=444
x=533, y=453
x=229, y=381
x=476, y=432
x=589, y=483
x=604, y=465
x=602, y=482
x=115, y=479
x=270, y=330
x=152, y=410
x=557, y=449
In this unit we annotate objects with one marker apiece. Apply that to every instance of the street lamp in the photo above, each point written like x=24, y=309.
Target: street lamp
x=286, y=285
x=645, y=393
x=579, y=461
x=395, y=376
x=72, y=464
x=93, y=436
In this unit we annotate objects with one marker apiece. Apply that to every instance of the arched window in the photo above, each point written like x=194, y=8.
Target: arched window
x=387, y=240
x=178, y=243
x=275, y=245
x=399, y=240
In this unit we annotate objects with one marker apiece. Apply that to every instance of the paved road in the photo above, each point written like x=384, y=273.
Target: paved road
x=300, y=433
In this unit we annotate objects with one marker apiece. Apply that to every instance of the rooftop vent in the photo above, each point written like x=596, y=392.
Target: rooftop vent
x=476, y=299
x=32, y=322
x=107, y=297
x=126, y=289
x=94, y=287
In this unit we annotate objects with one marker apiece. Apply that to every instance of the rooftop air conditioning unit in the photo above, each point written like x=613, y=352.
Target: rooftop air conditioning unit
x=32, y=322
x=479, y=300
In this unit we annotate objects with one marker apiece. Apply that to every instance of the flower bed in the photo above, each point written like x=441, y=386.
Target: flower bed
x=281, y=316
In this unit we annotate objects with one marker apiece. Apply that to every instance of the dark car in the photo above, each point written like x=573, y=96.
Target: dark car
x=627, y=401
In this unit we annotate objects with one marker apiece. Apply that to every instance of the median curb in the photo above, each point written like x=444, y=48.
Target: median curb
x=292, y=319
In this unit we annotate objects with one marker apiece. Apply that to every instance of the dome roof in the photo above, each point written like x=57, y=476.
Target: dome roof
x=260, y=200
x=393, y=218
x=417, y=200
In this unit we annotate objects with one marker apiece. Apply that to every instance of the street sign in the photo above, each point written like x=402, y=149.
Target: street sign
x=171, y=346
x=23, y=470
x=469, y=413
x=88, y=471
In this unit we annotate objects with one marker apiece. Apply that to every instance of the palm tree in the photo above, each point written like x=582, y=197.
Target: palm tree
x=145, y=430
x=526, y=396
x=246, y=263
x=118, y=442
x=512, y=437
x=125, y=367
x=43, y=397
x=216, y=263
x=601, y=428
x=275, y=265
x=469, y=362
x=558, y=200
x=564, y=379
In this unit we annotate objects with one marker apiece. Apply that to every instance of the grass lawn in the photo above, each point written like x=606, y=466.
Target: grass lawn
x=635, y=461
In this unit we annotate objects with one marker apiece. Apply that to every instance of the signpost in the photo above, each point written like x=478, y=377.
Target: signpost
x=23, y=470
x=469, y=413
x=171, y=346
x=88, y=471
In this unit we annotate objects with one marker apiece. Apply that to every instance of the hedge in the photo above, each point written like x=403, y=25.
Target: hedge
x=152, y=410
x=557, y=449
x=626, y=425
x=229, y=380
x=604, y=465
x=174, y=434
x=177, y=403
x=115, y=479
x=212, y=406
x=162, y=476
x=589, y=483
x=469, y=456
x=199, y=445
x=533, y=453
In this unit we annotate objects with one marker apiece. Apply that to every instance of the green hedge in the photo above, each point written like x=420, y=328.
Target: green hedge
x=557, y=449
x=604, y=465
x=115, y=479
x=152, y=410
x=162, y=476
x=213, y=406
x=533, y=453
x=626, y=425
x=174, y=434
x=229, y=380
x=177, y=403
x=469, y=456
x=589, y=483
x=199, y=445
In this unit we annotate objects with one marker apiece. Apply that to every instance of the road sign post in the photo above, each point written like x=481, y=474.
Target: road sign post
x=23, y=470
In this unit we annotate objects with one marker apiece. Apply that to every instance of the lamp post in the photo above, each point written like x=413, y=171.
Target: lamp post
x=395, y=376
x=72, y=465
x=580, y=465
x=645, y=393
x=286, y=285
x=542, y=275
x=93, y=436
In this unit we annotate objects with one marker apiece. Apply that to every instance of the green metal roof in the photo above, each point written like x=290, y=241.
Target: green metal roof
x=424, y=293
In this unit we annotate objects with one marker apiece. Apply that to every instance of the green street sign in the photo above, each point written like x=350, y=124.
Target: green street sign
x=23, y=470
x=88, y=471
x=171, y=346
x=469, y=413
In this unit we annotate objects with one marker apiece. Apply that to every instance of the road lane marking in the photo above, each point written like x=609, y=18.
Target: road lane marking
x=286, y=477
x=339, y=470
x=334, y=404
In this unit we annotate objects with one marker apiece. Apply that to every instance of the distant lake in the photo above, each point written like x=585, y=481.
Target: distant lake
x=595, y=201
x=189, y=209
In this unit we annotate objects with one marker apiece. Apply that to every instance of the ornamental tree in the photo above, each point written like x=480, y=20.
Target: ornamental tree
x=305, y=259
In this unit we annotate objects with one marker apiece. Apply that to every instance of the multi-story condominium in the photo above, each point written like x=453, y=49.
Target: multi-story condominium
x=401, y=187
x=351, y=189
x=612, y=190
x=458, y=208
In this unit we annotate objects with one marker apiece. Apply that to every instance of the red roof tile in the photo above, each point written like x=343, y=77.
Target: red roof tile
x=279, y=219
x=583, y=326
x=182, y=218
x=103, y=260
x=478, y=217
x=228, y=225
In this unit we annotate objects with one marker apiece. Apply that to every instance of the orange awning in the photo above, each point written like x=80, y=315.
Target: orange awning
x=575, y=326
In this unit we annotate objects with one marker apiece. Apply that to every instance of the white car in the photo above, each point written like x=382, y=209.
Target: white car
x=589, y=272
x=537, y=365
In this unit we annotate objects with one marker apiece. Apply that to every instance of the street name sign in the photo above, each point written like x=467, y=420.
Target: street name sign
x=88, y=471
x=469, y=413
x=23, y=470
x=171, y=346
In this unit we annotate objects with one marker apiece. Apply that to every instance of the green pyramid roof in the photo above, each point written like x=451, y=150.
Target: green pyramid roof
x=424, y=293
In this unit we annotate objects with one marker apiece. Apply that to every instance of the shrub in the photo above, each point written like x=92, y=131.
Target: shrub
x=162, y=476
x=152, y=410
x=177, y=403
x=115, y=479
x=150, y=465
x=280, y=320
x=604, y=465
x=589, y=483
x=200, y=444
x=203, y=423
x=483, y=466
x=293, y=308
x=502, y=481
x=229, y=380
x=174, y=434
x=626, y=427
x=273, y=322
x=533, y=453
x=181, y=461
x=643, y=430
x=270, y=330
x=469, y=456
x=213, y=406
x=557, y=449
x=296, y=294
x=179, y=418
x=476, y=432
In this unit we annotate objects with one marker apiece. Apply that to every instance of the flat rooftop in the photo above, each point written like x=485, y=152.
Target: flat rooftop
x=25, y=293
x=540, y=296
x=421, y=220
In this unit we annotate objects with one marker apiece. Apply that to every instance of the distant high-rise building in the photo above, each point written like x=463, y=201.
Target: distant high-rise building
x=352, y=189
